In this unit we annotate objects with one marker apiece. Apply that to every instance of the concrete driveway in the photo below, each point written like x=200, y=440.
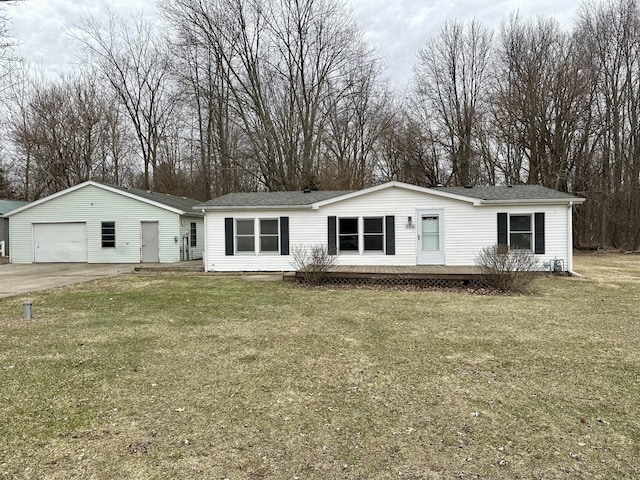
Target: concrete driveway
x=16, y=279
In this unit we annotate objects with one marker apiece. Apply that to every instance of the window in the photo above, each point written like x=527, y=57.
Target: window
x=520, y=232
x=361, y=235
x=108, y=234
x=268, y=235
x=245, y=237
x=192, y=234
x=373, y=234
x=348, y=234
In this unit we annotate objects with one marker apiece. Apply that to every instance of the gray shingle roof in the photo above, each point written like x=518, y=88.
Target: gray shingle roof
x=515, y=192
x=181, y=203
x=273, y=199
x=8, y=205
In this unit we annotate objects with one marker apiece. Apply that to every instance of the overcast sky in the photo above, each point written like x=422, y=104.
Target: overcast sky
x=397, y=29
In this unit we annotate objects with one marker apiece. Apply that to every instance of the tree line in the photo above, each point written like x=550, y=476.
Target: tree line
x=244, y=95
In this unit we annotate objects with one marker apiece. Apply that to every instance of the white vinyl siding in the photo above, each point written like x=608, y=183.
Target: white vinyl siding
x=467, y=230
x=93, y=205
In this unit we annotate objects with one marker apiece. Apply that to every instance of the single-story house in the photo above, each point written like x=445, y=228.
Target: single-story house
x=390, y=224
x=96, y=223
x=5, y=207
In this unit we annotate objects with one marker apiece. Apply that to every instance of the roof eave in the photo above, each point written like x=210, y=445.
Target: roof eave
x=534, y=201
x=204, y=208
x=101, y=186
x=395, y=184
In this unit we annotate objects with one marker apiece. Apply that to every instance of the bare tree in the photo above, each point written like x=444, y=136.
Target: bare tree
x=541, y=97
x=8, y=57
x=134, y=61
x=64, y=134
x=286, y=66
x=609, y=34
x=405, y=149
x=199, y=71
x=450, y=78
x=354, y=125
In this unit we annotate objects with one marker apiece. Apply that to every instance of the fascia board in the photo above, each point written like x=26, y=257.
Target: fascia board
x=244, y=208
x=394, y=184
x=541, y=201
x=50, y=197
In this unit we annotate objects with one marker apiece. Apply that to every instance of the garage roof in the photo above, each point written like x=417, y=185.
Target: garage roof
x=173, y=203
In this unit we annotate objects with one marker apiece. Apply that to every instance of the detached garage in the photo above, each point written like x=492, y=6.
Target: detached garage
x=98, y=223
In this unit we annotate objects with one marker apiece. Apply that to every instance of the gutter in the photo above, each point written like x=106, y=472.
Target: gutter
x=530, y=201
x=204, y=208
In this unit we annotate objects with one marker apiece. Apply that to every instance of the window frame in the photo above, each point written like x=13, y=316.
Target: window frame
x=193, y=234
x=110, y=243
x=530, y=231
x=257, y=236
x=238, y=235
x=340, y=235
x=268, y=235
x=381, y=234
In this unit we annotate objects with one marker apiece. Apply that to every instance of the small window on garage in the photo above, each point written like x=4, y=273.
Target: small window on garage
x=192, y=234
x=108, y=234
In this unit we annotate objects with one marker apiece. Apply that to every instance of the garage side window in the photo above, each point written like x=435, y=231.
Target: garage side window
x=108, y=234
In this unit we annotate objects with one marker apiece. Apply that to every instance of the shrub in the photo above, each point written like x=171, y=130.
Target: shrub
x=507, y=270
x=312, y=261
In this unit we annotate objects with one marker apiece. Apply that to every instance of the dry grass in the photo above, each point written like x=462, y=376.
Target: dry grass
x=192, y=377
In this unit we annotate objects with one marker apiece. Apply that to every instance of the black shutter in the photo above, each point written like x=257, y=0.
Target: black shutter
x=332, y=246
x=539, y=233
x=284, y=235
x=390, y=239
x=502, y=229
x=228, y=236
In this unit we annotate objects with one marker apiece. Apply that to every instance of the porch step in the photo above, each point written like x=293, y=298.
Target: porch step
x=185, y=266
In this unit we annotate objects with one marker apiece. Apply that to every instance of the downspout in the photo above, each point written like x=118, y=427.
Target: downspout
x=205, y=248
x=570, y=240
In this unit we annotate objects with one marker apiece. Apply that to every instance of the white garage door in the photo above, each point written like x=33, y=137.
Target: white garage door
x=60, y=242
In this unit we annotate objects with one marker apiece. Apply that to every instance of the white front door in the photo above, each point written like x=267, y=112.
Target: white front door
x=430, y=237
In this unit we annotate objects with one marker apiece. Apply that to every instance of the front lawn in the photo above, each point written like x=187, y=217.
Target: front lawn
x=183, y=377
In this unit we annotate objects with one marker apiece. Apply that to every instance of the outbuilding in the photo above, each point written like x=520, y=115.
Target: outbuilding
x=5, y=207
x=393, y=224
x=97, y=223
